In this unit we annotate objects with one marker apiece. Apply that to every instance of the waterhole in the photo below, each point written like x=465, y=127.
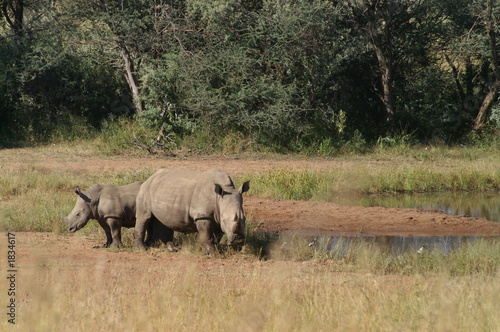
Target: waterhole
x=399, y=244
x=486, y=205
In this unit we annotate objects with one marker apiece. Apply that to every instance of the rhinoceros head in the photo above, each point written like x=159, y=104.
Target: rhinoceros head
x=80, y=214
x=231, y=214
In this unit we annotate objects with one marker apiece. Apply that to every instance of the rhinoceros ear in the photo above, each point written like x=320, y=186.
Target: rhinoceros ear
x=219, y=190
x=245, y=187
x=82, y=195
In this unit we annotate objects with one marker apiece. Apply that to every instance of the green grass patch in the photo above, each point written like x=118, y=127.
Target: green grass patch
x=20, y=182
x=285, y=184
x=314, y=185
x=36, y=213
x=421, y=179
x=480, y=257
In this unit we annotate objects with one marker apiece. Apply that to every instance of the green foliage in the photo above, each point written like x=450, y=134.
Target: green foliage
x=289, y=76
x=125, y=136
x=487, y=139
x=54, y=94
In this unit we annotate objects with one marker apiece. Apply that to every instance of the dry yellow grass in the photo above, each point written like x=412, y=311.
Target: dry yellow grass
x=63, y=287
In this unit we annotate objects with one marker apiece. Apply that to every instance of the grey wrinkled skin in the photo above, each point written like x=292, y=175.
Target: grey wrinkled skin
x=113, y=207
x=191, y=201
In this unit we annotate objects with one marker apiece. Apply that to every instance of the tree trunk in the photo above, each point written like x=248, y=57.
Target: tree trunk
x=131, y=79
x=385, y=63
x=482, y=116
x=379, y=29
x=381, y=42
x=17, y=13
x=489, y=99
x=456, y=75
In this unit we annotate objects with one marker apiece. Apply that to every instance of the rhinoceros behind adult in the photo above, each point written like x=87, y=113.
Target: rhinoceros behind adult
x=113, y=207
x=191, y=201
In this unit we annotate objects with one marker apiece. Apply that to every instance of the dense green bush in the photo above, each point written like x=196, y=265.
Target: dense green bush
x=300, y=75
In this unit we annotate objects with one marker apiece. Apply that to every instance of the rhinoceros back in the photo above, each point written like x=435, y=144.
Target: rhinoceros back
x=179, y=196
x=119, y=202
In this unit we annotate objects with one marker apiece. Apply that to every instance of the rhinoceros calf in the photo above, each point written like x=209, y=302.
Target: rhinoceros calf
x=113, y=207
x=190, y=201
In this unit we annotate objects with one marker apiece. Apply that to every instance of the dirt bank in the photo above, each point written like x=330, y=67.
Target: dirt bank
x=312, y=218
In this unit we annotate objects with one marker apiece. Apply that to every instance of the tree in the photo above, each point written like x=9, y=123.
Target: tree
x=490, y=98
x=381, y=21
x=49, y=85
x=124, y=33
x=471, y=51
x=13, y=12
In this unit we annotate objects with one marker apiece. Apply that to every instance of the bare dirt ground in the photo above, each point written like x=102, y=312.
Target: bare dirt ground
x=332, y=219
x=78, y=252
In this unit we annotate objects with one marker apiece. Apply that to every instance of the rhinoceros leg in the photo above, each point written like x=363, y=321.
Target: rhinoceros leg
x=168, y=237
x=116, y=232
x=143, y=219
x=205, y=237
x=152, y=235
x=107, y=230
x=159, y=232
x=156, y=231
x=170, y=240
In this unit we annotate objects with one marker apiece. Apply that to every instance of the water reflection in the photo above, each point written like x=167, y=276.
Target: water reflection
x=485, y=205
x=399, y=244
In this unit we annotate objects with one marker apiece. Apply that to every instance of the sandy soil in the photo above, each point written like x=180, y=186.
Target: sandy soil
x=313, y=218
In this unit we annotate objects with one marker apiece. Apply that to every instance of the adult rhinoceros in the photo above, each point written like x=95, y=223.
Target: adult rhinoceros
x=191, y=201
x=113, y=207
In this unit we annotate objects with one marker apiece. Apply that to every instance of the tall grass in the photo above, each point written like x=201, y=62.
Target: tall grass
x=412, y=179
x=20, y=182
x=315, y=185
x=273, y=296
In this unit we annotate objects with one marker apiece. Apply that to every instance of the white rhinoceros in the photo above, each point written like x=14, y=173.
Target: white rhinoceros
x=113, y=207
x=190, y=201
